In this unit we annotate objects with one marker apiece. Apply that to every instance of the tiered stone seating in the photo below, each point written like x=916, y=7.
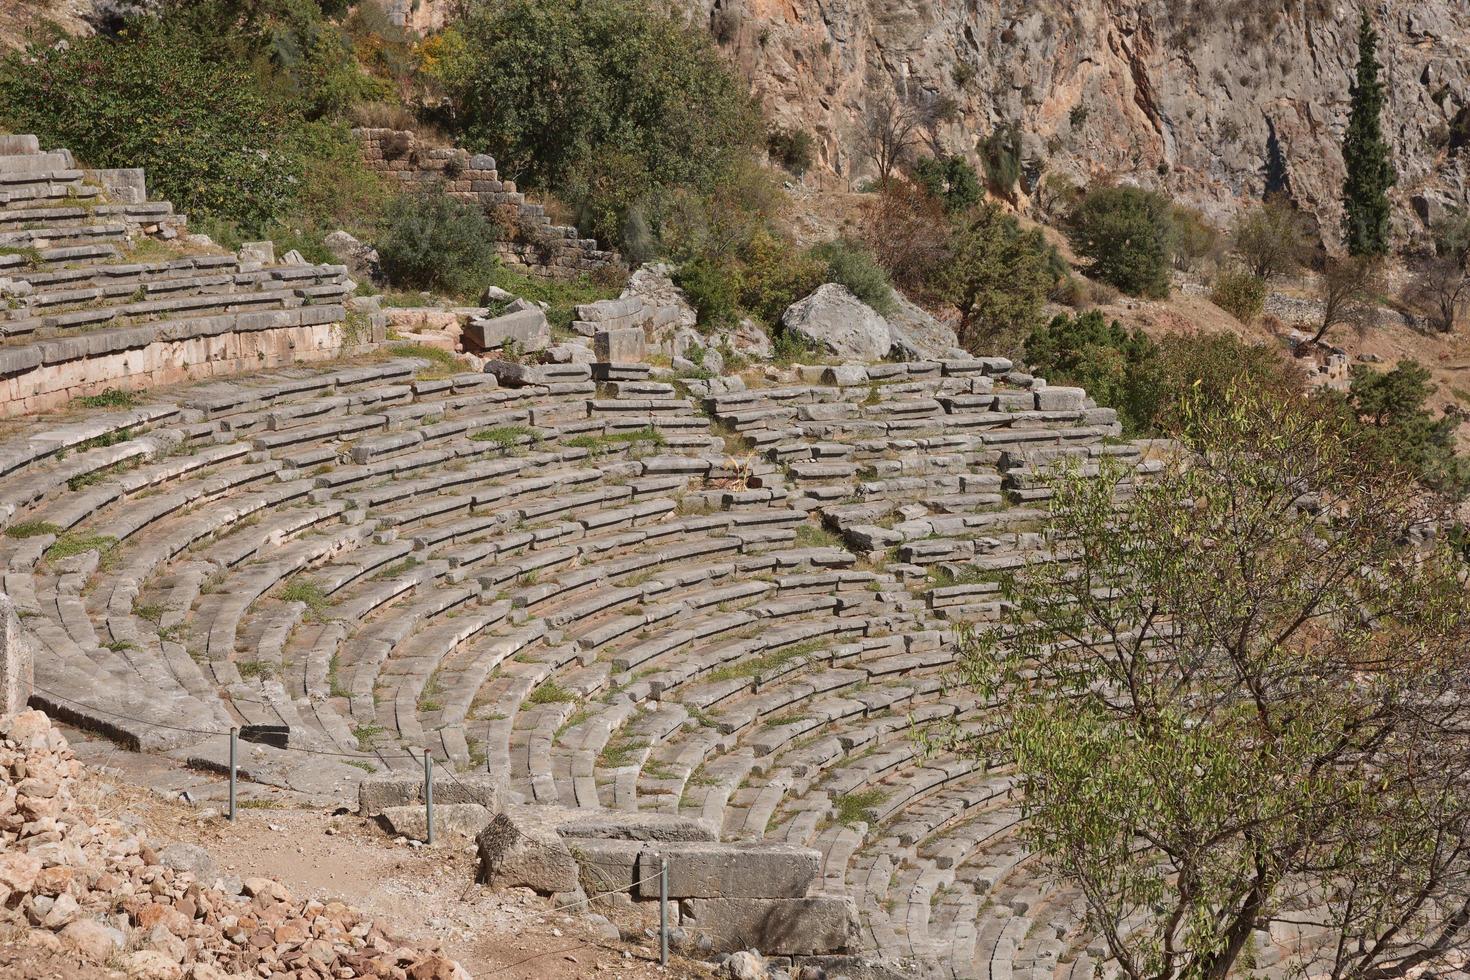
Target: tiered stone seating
x=94, y=298
x=621, y=599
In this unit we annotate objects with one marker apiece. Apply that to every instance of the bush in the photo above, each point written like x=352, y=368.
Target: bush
x=854, y=267
x=908, y=234
x=791, y=148
x=437, y=242
x=1119, y=369
x=604, y=100
x=951, y=181
x=1272, y=239
x=209, y=135
x=1239, y=293
x=712, y=287
x=1128, y=234
x=1000, y=155
x=775, y=275
x=998, y=276
x=1198, y=239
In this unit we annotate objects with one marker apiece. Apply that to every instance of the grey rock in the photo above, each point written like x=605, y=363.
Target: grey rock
x=618, y=346
x=839, y=323
x=191, y=858
x=527, y=328
x=783, y=926
x=916, y=335
x=745, y=965
x=755, y=869
x=450, y=819
x=360, y=258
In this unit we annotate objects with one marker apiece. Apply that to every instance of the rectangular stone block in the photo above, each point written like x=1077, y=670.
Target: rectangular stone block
x=528, y=328
x=16, y=660
x=1061, y=399
x=377, y=793
x=775, y=926
x=619, y=346
x=730, y=870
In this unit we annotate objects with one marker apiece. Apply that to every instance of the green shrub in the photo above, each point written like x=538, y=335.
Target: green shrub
x=1000, y=155
x=998, y=276
x=791, y=148
x=774, y=274
x=1197, y=237
x=211, y=138
x=1118, y=369
x=712, y=287
x=437, y=242
x=1272, y=239
x=1128, y=234
x=1239, y=293
x=853, y=266
x=951, y=181
x=603, y=100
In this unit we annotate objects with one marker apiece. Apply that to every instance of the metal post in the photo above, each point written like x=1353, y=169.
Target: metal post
x=234, y=733
x=429, y=796
x=663, y=911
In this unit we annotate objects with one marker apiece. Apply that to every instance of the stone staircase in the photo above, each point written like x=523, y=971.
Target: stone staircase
x=100, y=290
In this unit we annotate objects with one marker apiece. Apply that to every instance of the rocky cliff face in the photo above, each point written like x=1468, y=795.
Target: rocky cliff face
x=1215, y=100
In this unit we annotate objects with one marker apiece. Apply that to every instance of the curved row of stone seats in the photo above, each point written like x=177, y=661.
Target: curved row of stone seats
x=588, y=587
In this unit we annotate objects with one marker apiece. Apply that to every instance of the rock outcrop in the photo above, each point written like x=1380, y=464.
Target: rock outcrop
x=1214, y=100
x=837, y=322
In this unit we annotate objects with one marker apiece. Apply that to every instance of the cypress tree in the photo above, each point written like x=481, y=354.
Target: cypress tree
x=1370, y=172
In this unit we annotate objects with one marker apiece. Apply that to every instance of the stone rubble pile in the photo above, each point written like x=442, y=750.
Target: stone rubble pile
x=75, y=879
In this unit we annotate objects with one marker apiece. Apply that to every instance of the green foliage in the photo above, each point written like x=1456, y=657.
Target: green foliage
x=853, y=266
x=31, y=529
x=712, y=287
x=1207, y=721
x=858, y=806
x=1128, y=234
x=1390, y=406
x=605, y=101
x=951, y=181
x=505, y=436
x=1119, y=369
x=68, y=544
x=788, y=348
x=561, y=296
x=309, y=594
x=598, y=445
x=774, y=274
x=228, y=113
x=437, y=242
x=998, y=276
x=441, y=364
x=550, y=692
x=1366, y=155
x=791, y=148
x=1240, y=293
x=1271, y=239
x=1000, y=156
x=109, y=398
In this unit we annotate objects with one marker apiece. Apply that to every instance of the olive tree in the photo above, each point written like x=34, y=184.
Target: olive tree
x=1236, y=701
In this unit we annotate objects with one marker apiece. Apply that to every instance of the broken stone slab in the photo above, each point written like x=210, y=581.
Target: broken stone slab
x=618, y=346
x=741, y=869
x=527, y=328
x=610, y=309
x=513, y=375
x=376, y=793
x=452, y=819
x=776, y=926
x=532, y=846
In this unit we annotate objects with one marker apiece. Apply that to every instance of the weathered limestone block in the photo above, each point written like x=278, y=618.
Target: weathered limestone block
x=375, y=794
x=450, y=819
x=528, y=328
x=775, y=926
x=730, y=870
x=618, y=346
x=1061, y=399
x=521, y=848
x=17, y=662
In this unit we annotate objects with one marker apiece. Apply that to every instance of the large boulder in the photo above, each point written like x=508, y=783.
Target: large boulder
x=916, y=335
x=360, y=258
x=839, y=323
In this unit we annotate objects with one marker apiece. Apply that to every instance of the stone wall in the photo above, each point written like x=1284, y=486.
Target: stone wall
x=47, y=375
x=534, y=245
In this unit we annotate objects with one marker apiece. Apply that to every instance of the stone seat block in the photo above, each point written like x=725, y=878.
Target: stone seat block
x=818, y=925
x=729, y=870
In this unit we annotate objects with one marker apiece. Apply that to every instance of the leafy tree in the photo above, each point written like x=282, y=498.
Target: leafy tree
x=1238, y=703
x=1441, y=282
x=998, y=276
x=434, y=241
x=1390, y=405
x=1271, y=239
x=1000, y=155
x=1366, y=155
x=713, y=288
x=791, y=148
x=1196, y=238
x=1128, y=234
x=604, y=101
x=1349, y=290
x=774, y=275
x=909, y=234
x=949, y=180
